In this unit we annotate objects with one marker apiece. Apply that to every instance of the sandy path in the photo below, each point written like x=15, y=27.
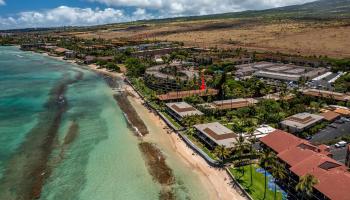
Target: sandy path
x=216, y=182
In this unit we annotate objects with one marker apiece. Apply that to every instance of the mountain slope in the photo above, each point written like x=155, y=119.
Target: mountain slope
x=322, y=9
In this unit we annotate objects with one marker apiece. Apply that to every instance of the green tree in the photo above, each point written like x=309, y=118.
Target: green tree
x=279, y=173
x=265, y=161
x=221, y=152
x=240, y=147
x=306, y=184
x=252, y=152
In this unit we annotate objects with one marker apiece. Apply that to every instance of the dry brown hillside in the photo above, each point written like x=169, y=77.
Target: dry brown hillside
x=331, y=38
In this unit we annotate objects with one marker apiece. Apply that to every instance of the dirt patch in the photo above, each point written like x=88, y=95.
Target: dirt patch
x=131, y=114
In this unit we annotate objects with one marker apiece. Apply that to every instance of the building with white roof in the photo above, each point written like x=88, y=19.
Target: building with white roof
x=179, y=110
x=263, y=131
x=214, y=134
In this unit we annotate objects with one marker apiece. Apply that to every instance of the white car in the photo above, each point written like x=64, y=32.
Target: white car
x=340, y=144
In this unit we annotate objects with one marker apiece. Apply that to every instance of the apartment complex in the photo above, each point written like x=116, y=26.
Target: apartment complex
x=279, y=71
x=301, y=158
x=214, y=134
x=179, y=110
x=300, y=122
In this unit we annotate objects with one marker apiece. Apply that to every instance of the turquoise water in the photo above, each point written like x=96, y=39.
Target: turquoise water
x=67, y=117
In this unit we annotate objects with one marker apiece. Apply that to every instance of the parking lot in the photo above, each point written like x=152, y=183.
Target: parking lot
x=329, y=133
x=339, y=154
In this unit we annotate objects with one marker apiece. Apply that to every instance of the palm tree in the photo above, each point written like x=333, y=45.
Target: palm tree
x=252, y=140
x=221, y=152
x=265, y=160
x=306, y=184
x=278, y=172
x=240, y=146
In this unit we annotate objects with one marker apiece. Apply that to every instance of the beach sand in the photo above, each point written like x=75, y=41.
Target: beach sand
x=216, y=182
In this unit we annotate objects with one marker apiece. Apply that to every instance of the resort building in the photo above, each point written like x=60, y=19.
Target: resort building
x=230, y=104
x=301, y=158
x=165, y=78
x=278, y=71
x=214, y=134
x=179, y=110
x=183, y=94
x=300, y=122
x=326, y=94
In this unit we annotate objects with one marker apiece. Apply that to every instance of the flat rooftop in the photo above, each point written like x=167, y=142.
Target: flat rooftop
x=279, y=71
x=183, y=109
x=218, y=133
x=326, y=94
x=230, y=104
x=302, y=120
x=188, y=93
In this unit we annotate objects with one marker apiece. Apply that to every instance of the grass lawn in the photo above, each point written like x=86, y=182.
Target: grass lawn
x=177, y=125
x=201, y=146
x=257, y=189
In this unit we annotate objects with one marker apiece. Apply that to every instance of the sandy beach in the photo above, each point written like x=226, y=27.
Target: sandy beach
x=216, y=181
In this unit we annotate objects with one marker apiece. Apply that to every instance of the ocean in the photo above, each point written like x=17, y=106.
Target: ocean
x=63, y=136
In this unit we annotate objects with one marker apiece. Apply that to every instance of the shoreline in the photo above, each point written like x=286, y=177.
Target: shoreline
x=216, y=182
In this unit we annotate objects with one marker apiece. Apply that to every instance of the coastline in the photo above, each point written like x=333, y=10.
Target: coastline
x=216, y=182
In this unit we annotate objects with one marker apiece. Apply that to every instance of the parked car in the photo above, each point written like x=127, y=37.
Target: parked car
x=332, y=125
x=339, y=121
x=345, y=119
x=341, y=144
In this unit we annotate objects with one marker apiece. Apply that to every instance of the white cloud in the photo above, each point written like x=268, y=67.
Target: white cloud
x=2, y=2
x=68, y=16
x=200, y=7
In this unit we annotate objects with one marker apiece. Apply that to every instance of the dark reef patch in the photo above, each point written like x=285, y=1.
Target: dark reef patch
x=130, y=112
x=158, y=169
x=29, y=167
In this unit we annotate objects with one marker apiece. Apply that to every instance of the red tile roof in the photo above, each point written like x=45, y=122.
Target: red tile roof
x=305, y=158
x=333, y=182
x=280, y=141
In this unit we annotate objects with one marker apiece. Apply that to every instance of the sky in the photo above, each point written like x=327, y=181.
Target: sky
x=53, y=13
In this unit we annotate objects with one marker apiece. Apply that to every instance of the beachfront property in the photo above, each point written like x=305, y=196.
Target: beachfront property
x=162, y=77
x=302, y=157
x=214, y=134
x=70, y=54
x=188, y=93
x=179, y=110
x=278, y=71
x=300, y=122
x=229, y=104
x=326, y=94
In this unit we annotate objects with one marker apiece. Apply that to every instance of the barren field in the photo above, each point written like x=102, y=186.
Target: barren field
x=297, y=37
